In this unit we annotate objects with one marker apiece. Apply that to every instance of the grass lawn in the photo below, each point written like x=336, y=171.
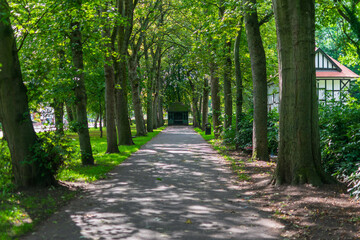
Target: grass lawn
x=20, y=210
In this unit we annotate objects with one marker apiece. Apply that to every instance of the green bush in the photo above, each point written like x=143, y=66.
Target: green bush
x=340, y=139
x=49, y=153
x=5, y=166
x=243, y=138
x=273, y=131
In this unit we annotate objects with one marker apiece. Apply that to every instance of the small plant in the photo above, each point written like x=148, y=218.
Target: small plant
x=49, y=154
x=5, y=167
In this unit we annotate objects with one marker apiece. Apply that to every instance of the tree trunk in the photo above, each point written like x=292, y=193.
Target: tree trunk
x=111, y=136
x=149, y=90
x=96, y=121
x=258, y=68
x=215, y=99
x=239, y=83
x=299, y=159
x=135, y=90
x=159, y=115
x=59, y=116
x=205, y=104
x=69, y=112
x=122, y=113
x=14, y=111
x=199, y=107
x=80, y=92
x=126, y=10
x=100, y=122
x=161, y=111
x=227, y=86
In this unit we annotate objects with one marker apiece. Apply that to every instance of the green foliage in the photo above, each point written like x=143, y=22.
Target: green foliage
x=5, y=166
x=50, y=152
x=340, y=141
x=243, y=138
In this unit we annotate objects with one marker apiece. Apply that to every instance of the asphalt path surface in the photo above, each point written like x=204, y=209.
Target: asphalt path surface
x=175, y=187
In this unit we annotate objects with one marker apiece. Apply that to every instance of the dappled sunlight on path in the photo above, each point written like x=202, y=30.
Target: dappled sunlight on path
x=175, y=187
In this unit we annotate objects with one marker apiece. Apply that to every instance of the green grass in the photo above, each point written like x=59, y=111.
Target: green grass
x=236, y=165
x=20, y=211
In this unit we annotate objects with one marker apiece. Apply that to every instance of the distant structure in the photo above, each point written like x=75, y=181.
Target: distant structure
x=178, y=114
x=333, y=80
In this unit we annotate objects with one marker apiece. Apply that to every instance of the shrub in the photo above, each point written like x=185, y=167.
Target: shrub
x=340, y=139
x=49, y=153
x=5, y=165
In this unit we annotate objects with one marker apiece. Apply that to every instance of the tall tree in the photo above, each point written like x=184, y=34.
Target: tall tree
x=215, y=98
x=238, y=76
x=149, y=88
x=299, y=159
x=258, y=68
x=110, y=39
x=79, y=81
x=14, y=110
x=227, y=74
x=126, y=11
x=205, y=104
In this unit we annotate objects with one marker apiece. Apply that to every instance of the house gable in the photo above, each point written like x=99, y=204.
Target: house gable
x=324, y=62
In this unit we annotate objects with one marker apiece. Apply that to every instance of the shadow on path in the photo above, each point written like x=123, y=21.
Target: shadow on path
x=175, y=187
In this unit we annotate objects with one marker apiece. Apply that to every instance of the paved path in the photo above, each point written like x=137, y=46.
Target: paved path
x=175, y=187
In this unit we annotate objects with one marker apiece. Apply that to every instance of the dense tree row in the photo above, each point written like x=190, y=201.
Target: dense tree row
x=123, y=59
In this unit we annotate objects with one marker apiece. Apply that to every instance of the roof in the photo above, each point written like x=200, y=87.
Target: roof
x=178, y=107
x=340, y=72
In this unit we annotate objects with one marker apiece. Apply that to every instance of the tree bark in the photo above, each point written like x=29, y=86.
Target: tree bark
x=149, y=90
x=239, y=81
x=69, y=112
x=111, y=136
x=135, y=90
x=80, y=92
x=258, y=69
x=59, y=116
x=14, y=111
x=227, y=87
x=299, y=159
x=126, y=10
x=215, y=99
x=205, y=104
x=122, y=113
x=96, y=121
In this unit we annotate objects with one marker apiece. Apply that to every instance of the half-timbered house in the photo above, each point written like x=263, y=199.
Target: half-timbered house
x=333, y=80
